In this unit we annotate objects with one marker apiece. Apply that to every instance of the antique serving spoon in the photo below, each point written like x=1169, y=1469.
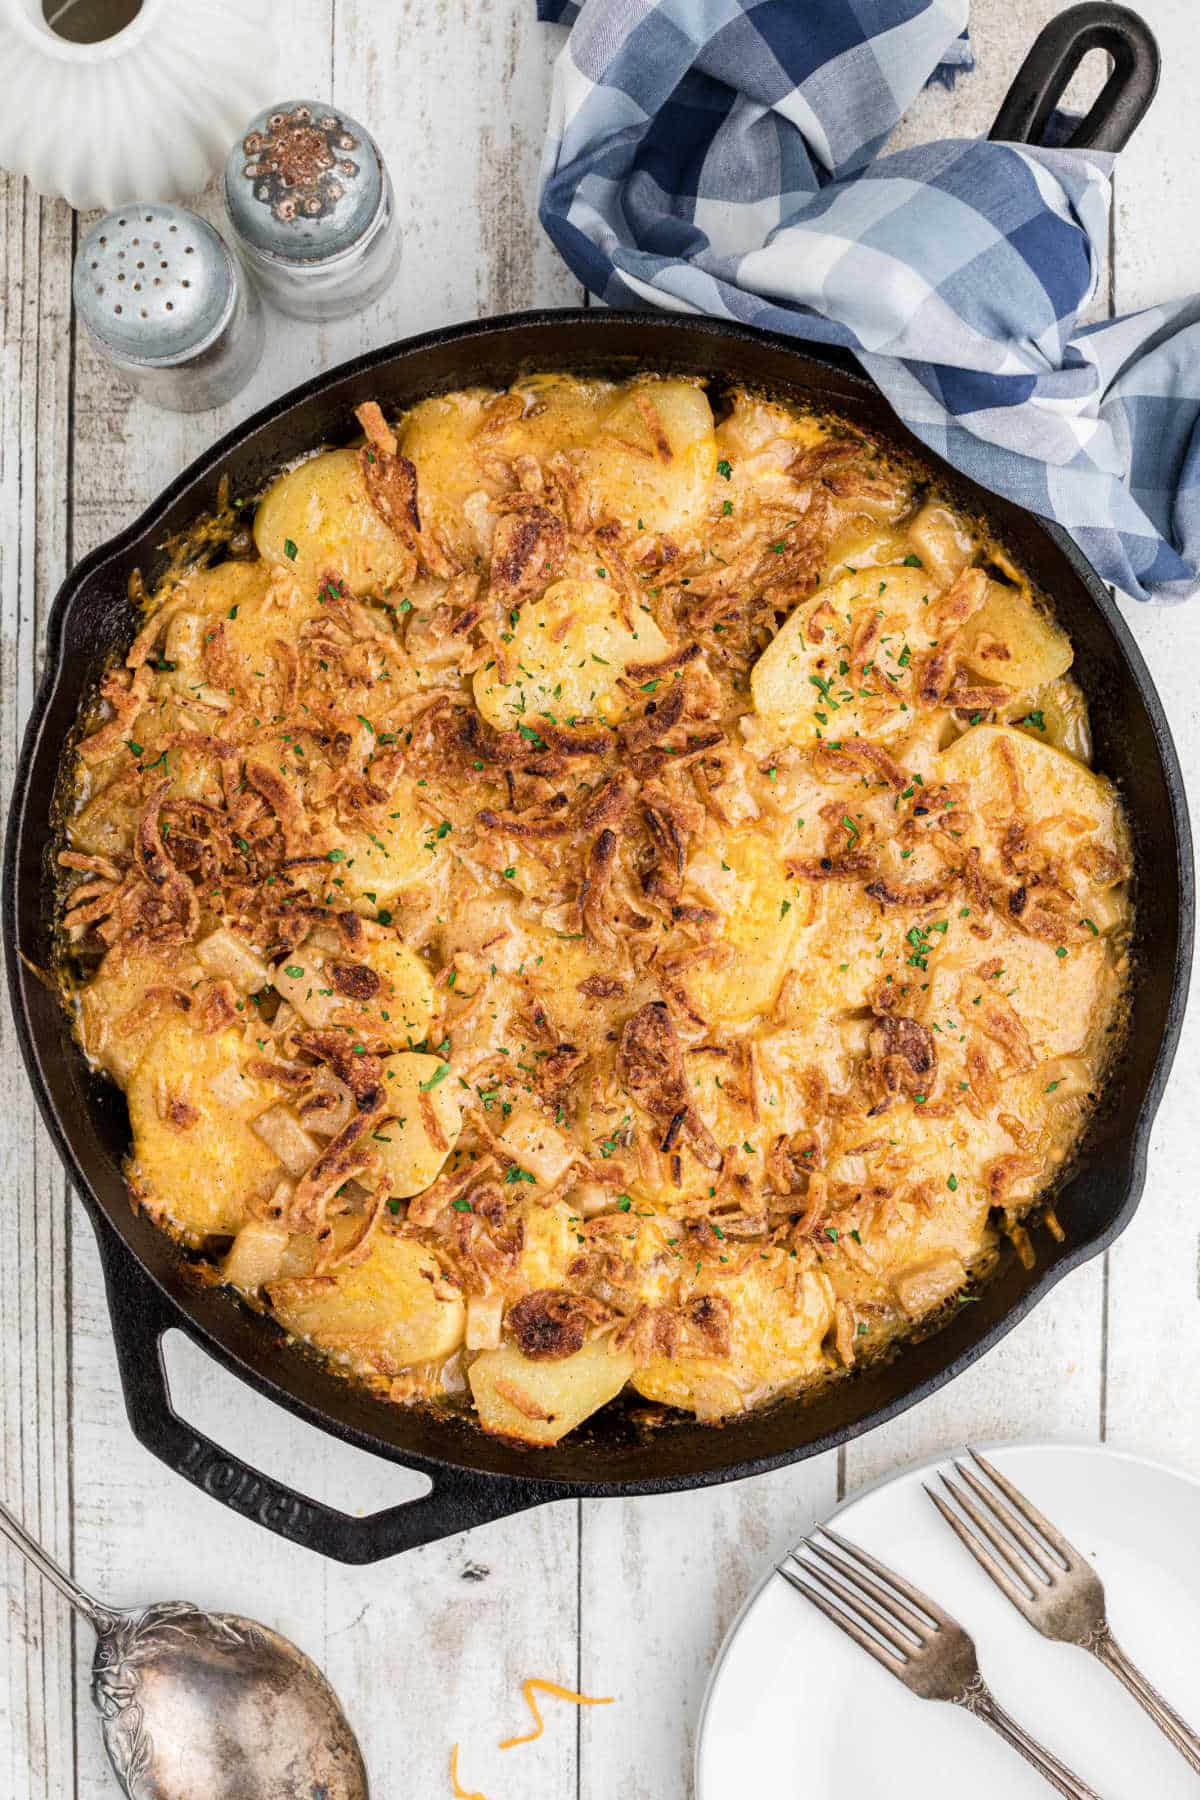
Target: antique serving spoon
x=192, y=1702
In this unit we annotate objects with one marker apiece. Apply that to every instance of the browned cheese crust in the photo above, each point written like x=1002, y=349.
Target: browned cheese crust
x=597, y=896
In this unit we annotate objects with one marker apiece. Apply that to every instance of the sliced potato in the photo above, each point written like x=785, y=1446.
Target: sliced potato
x=569, y=651
x=133, y=997
x=808, y=689
x=226, y=956
x=321, y=509
x=390, y=1311
x=1008, y=770
x=535, y=1144
x=943, y=541
x=425, y=1097
x=257, y=1255
x=773, y=1347
x=550, y=1243
x=400, y=850
x=539, y=1402
x=105, y=824
x=924, y=1285
x=384, y=990
x=1014, y=643
x=655, y=457
x=762, y=913
x=441, y=437
x=1057, y=714
x=197, y=1164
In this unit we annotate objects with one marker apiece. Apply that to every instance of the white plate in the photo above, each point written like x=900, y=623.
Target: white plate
x=794, y=1709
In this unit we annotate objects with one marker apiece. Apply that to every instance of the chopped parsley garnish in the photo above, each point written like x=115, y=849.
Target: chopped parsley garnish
x=724, y=469
x=439, y=1074
x=289, y=549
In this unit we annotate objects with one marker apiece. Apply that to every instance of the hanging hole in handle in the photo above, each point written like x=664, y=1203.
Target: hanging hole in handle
x=1051, y=69
x=284, y=1448
x=1087, y=83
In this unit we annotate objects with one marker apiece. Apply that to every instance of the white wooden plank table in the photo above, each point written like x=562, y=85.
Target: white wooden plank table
x=625, y=1598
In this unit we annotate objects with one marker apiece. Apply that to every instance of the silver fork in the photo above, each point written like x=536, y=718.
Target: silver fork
x=1049, y=1583
x=931, y=1654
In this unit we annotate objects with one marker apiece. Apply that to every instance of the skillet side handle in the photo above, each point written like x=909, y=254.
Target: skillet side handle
x=1042, y=79
x=140, y=1318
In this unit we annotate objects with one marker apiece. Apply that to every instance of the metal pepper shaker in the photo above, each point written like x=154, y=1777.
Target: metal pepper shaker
x=313, y=209
x=168, y=305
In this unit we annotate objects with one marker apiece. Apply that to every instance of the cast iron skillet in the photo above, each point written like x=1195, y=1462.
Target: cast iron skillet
x=475, y=1477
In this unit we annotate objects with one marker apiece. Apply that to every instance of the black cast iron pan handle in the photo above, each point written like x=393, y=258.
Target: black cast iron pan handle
x=141, y=1315
x=1042, y=79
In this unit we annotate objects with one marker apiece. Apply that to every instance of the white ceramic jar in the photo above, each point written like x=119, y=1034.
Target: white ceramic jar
x=146, y=109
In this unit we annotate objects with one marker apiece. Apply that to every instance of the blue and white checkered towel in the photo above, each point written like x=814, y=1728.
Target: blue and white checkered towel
x=721, y=157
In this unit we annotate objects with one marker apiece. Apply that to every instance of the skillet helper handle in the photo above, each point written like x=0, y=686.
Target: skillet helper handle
x=1058, y=51
x=141, y=1316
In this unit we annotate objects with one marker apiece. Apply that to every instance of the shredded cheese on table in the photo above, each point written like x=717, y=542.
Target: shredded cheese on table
x=559, y=1693
x=461, y=1793
x=529, y=1689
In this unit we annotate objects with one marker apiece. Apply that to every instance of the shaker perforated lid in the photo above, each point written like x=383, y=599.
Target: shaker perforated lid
x=304, y=183
x=154, y=283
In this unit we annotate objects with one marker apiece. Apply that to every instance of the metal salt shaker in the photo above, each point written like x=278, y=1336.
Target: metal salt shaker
x=313, y=209
x=168, y=305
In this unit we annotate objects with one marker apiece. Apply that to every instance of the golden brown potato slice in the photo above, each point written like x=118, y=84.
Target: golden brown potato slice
x=196, y=1162
x=425, y=1096
x=384, y=990
x=1011, y=774
x=653, y=464
x=569, y=650
x=134, y=995
x=401, y=849
x=774, y=1347
x=318, y=521
x=811, y=690
x=390, y=1311
x=1014, y=643
x=762, y=915
x=942, y=539
x=539, y=1402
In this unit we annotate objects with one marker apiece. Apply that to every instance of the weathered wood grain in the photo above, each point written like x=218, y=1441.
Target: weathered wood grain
x=36, y=1687
x=1152, y=1393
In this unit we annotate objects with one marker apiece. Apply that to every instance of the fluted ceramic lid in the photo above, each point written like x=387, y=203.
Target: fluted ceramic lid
x=153, y=282
x=303, y=183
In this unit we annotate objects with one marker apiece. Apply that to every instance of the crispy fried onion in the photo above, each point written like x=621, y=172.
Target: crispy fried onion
x=702, y=1326
x=175, y=889
x=527, y=553
x=903, y=1056
x=348, y=1155
x=650, y=1068
x=555, y=1322
x=391, y=483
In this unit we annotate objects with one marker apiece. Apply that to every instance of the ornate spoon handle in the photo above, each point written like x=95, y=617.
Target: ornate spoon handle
x=979, y=1699
x=12, y=1528
x=1106, y=1649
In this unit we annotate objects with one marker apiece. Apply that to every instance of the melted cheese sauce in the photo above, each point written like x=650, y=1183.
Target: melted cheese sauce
x=601, y=898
